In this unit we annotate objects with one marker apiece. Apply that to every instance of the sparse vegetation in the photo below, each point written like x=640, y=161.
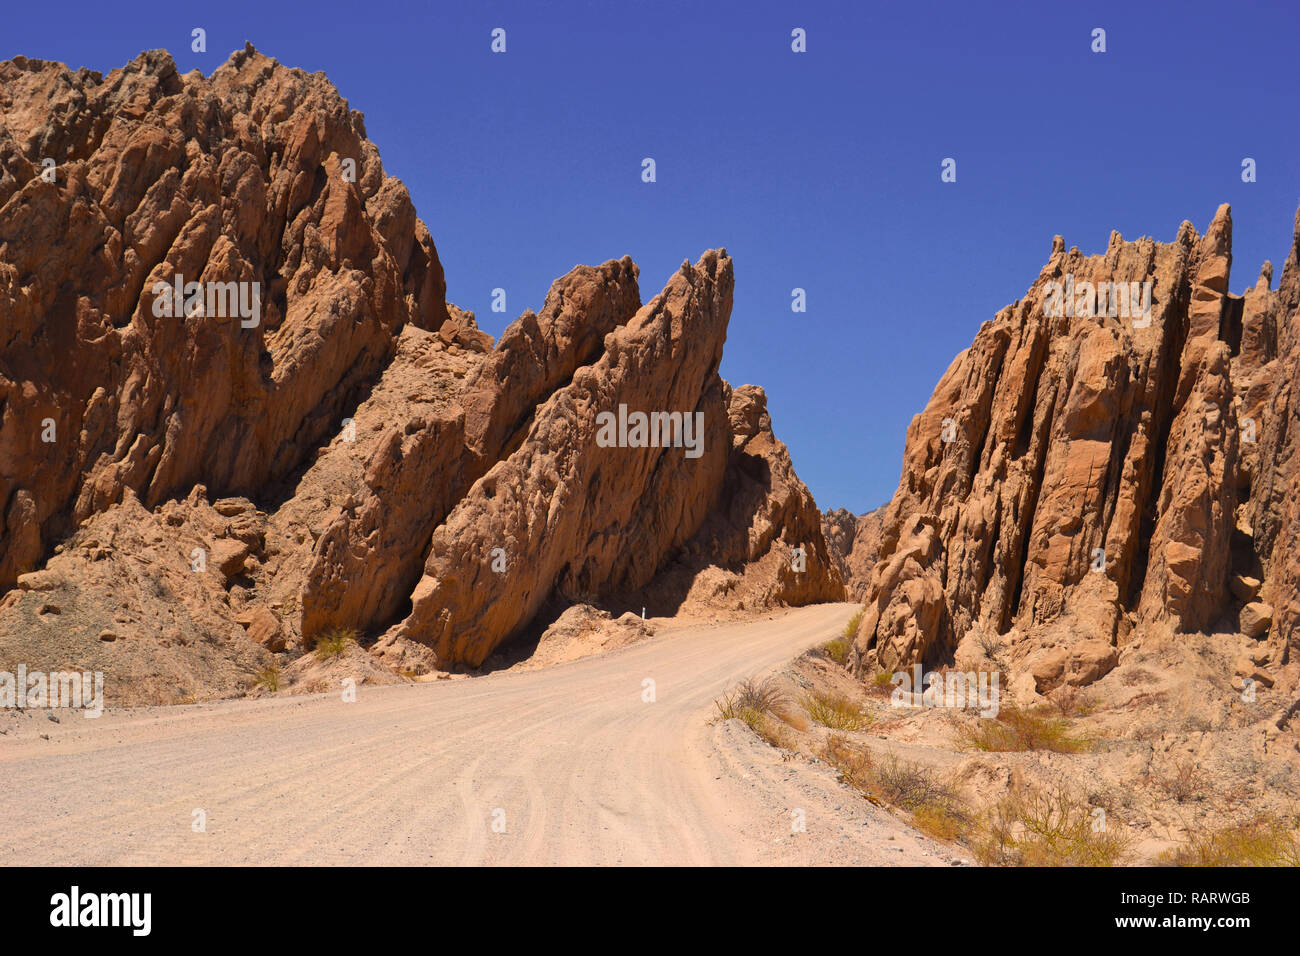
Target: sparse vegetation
x=754, y=702
x=1016, y=729
x=853, y=763
x=936, y=809
x=334, y=643
x=851, y=628
x=1184, y=782
x=911, y=786
x=990, y=643
x=939, y=823
x=1264, y=841
x=836, y=711
x=1073, y=701
x=1048, y=828
x=838, y=649
x=268, y=677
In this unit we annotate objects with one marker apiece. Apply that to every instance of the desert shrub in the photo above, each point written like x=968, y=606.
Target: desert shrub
x=853, y=763
x=1184, y=782
x=851, y=628
x=268, y=677
x=334, y=643
x=754, y=702
x=990, y=643
x=1264, y=841
x=836, y=711
x=940, y=823
x=1047, y=828
x=910, y=785
x=1073, y=701
x=1016, y=729
x=936, y=809
x=882, y=683
x=837, y=650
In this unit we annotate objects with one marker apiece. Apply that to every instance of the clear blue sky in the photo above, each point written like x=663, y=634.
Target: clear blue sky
x=818, y=170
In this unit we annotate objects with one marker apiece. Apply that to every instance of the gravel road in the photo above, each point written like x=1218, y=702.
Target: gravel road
x=566, y=765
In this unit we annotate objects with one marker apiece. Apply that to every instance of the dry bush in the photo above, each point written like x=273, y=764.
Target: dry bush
x=1047, y=828
x=1073, y=701
x=334, y=643
x=268, y=677
x=852, y=761
x=755, y=702
x=911, y=786
x=940, y=823
x=836, y=711
x=935, y=807
x=1014, y=729
x=1185, y=782
x=837, y=650
x=1264, y=841
x=990, y=643
x=882, y=683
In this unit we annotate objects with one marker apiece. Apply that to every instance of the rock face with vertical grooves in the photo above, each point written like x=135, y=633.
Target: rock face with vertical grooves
x=239, y=177
x=1121, y=472
x=183, y=498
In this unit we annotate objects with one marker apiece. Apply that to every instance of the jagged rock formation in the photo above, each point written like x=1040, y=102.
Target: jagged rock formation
x=854, y=542
x=1121, y=473
x=212, y=485
x=236, y=178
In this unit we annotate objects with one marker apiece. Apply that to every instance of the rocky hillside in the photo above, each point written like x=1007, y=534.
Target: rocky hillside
x=194, y=481
x=1085, y=475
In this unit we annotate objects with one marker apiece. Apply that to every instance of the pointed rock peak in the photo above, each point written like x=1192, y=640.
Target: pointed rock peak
x=1058, y=245
x=153, y=62
x=1265, y=281
x=1219, y=236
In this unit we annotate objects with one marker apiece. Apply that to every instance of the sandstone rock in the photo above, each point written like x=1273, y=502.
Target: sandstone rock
x=554, y=507
x=1078, y=666
x=1249, y=670
x=1244, y=587
x=235, y=177
x=365, y=447
x=855, y=544
x=227, y=556
x=1136, y=467
x=264, y=628
x=1256, y=618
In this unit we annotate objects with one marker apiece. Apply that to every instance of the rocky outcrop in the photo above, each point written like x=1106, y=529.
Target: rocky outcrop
x=350, y=453
x=572, y=513
x=113, y=187
x=854, y=542
x=761, y=545
x=1090, y=459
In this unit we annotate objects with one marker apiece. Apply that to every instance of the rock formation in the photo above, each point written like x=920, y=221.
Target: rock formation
x=855, y=544
x=1090, y=461
x=310, y=439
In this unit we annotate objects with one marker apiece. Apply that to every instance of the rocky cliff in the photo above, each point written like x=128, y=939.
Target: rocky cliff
x=854, y=541
x=237, y=412
x=1114, y=454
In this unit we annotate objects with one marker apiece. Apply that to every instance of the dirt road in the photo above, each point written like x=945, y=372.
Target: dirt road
x=570, y=762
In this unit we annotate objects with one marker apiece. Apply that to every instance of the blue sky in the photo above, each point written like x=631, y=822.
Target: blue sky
x=818, y=170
